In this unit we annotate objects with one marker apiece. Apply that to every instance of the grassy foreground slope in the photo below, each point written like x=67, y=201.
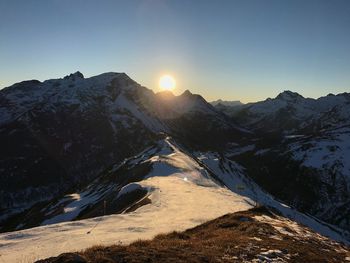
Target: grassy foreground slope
x=256, y=235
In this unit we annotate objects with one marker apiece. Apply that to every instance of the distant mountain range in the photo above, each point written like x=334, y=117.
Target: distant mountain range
x=226, y=103
x=76, y=148
x=290, y=112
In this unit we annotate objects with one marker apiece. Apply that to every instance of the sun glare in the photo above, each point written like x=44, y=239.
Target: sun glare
x=167, y=82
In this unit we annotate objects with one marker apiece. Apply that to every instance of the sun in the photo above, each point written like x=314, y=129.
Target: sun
x=167, y=82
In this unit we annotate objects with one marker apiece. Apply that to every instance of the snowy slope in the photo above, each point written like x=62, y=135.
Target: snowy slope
x=235, y=178
x=182, y=195
x=163, y=160
x=184, y=191
x=256, y=235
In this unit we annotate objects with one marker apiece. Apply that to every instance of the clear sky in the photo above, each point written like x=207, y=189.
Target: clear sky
x=247, y=50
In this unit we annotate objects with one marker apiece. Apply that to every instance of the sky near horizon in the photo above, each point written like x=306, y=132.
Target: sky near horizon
x=244, y=50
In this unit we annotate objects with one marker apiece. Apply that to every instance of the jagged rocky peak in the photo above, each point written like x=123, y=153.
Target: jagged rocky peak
x=289, y=95
x=74, y=76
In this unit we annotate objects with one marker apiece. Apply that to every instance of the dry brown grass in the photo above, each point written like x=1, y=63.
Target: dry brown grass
x=230, y=238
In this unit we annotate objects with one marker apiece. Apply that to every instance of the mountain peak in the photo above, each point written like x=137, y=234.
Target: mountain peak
x=74, y=76
x=186, y=93
x=289, y=95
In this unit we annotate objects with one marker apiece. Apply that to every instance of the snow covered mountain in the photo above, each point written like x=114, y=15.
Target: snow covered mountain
x=290, y=112
x=301, y=152
x=60, y=134
x=106, y=149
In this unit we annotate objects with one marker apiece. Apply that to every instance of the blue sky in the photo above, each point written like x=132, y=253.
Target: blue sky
x=247, y=50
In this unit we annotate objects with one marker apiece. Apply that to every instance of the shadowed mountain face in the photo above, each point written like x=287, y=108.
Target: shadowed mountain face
x=59, y=134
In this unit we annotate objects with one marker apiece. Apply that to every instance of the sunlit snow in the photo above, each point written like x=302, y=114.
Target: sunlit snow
x=183, y=199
